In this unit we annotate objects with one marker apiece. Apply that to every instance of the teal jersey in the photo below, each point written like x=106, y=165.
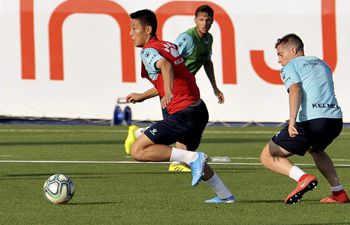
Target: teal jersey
x=195, y=50
x=316, y=81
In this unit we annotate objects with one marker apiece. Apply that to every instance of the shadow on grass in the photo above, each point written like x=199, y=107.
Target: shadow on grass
x=93, y=203
x=260, y=201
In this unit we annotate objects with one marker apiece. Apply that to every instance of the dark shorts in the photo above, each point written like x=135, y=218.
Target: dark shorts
x=185, y=126
x=314, y=134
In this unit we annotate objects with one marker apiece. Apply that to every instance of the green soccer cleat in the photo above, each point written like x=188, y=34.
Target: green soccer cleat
x=179, y=167
x=131, y=138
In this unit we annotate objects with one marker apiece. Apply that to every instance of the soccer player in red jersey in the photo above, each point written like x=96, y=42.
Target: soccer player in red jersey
x=164, y=67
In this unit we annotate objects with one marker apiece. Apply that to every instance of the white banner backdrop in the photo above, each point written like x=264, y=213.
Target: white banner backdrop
x=94, y=75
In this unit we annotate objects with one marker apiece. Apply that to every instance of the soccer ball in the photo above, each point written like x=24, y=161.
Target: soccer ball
x=59, y=189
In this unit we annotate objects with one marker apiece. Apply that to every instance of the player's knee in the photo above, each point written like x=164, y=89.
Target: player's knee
x=136, y=153
x=314, y=150
x=264, y=155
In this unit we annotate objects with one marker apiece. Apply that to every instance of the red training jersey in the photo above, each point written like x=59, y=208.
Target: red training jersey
x=185, y=90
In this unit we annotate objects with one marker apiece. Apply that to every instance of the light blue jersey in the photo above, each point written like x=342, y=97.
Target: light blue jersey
x=149, y=57
x=316, y=81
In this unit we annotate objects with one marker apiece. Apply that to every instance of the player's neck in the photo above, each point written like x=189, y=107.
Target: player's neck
x=200, y=34
x=149, y=38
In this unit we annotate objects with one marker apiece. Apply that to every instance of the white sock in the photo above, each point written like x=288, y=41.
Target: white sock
x=218, y=187
x=179, y=155
x=337, y=188
x=140, y=131
x=295, y=173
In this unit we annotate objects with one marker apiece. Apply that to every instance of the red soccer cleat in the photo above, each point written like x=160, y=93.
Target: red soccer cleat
x=336, y=197
x=306, y=183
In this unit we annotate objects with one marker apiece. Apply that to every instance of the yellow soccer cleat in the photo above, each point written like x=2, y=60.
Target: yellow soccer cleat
x=131, y=138
x=179, y=167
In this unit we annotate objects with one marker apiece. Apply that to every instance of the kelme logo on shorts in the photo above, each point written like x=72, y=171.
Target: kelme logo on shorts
x=153, y=131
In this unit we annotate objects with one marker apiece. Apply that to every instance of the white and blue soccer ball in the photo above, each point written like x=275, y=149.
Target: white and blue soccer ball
x=59, y=189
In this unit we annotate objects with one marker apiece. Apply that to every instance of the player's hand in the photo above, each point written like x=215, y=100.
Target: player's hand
x=292, y=130
x=220, y=95
x=134, y=97
x=166, y=99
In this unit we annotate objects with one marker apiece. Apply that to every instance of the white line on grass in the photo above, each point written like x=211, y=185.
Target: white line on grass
x=255, y=158
x=125, y=131
x=135, y=162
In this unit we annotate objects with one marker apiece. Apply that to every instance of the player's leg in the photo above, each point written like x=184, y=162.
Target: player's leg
x=223, y=194
x=194, y=129
x=178, y=166
x=134, y=132
x=274, y=157
x=145, y=150
x=326, y=131
x=153, y=145
x=326, y=167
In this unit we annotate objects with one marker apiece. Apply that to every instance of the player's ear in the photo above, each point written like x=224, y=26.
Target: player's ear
x=149, y=29
x=294, y=50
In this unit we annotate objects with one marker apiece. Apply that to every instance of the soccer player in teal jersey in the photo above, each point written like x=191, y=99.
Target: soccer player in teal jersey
x=315, y=121
x=195, y=46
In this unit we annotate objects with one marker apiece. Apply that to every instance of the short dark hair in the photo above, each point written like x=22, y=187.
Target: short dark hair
x=293, y=39
x=205, y=9
x=146, y=17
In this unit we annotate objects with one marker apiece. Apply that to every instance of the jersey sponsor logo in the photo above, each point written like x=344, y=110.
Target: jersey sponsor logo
x=178, y=61
x=325, y=106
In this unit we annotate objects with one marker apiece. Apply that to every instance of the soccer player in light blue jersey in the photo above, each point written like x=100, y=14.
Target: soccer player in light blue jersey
x=315, y=121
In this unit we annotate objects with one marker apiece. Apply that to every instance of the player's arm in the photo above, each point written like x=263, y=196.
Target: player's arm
x=140, y=97
x=168, y=78
x=185, y=44
x=209, y=70
x=294, y=104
